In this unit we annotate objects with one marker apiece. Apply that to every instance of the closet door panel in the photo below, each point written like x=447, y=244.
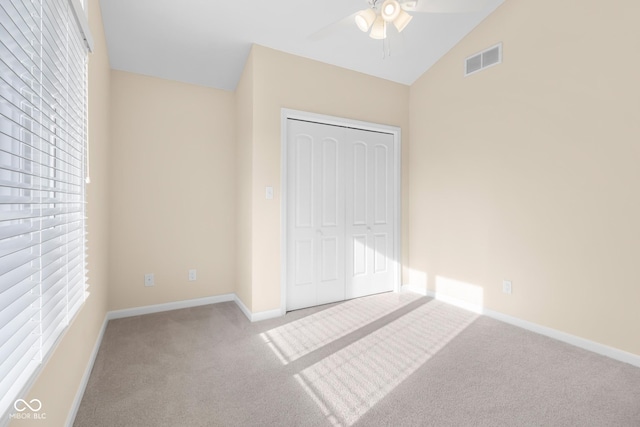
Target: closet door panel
x=315, y=236
x=370, y=221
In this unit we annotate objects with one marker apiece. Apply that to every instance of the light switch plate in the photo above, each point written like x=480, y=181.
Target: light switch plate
x=268, y=193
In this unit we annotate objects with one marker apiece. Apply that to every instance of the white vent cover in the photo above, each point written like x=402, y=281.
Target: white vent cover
x=486, y=58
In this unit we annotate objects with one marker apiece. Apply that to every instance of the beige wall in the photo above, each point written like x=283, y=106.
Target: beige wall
x=284, y=80
x=232, y=139
x=244, y=176
x=172, y=204
x=528, y=171
x=58, y=383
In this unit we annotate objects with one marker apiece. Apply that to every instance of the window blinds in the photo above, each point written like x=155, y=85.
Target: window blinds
x=43, y=128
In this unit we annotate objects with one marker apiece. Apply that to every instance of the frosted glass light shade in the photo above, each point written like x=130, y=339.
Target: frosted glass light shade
x=379, y=29
x=402, y=20
x=390, y=10
x=365, y=18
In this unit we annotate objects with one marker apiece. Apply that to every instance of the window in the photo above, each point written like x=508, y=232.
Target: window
x=43, y=157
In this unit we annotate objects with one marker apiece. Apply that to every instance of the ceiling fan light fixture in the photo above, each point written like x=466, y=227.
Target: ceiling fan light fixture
x=390, y=10
x=378, y=29
x=402, y=21
x=364, y=19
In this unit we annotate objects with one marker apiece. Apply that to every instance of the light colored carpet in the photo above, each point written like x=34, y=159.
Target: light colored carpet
x=385, y=360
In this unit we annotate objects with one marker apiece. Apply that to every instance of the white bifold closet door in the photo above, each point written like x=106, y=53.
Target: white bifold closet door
x=341, y=206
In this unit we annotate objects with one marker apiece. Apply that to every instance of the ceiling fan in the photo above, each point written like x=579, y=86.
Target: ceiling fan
x=374, y=20
x=382, y=14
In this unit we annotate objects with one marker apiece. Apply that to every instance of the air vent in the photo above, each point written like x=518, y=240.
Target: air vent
x=484, y=59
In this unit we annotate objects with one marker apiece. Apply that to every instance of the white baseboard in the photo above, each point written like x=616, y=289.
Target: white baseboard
x=585, y=344
x=157, y=308
x=576, y=341
x=268, y=314
x=414, y=289
x=243, y=307
x=261, y=315
x=85, y=377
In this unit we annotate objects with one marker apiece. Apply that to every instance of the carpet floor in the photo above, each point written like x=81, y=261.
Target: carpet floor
x=385, y=360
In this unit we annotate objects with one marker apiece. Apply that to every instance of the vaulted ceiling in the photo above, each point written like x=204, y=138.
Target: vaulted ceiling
x=206, y=42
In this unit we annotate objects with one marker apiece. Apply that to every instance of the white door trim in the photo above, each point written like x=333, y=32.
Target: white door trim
x=286, y=114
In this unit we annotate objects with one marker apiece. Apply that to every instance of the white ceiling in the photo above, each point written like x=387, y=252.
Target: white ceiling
x=206, y=42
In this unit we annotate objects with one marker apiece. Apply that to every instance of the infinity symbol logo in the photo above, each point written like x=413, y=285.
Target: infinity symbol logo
x=21, y=405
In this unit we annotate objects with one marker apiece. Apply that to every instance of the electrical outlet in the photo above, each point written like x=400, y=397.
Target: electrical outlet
x=192, y=275
x=506, y=286
x=149, y=280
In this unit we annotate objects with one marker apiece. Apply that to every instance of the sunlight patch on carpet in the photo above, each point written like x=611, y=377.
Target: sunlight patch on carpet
x=299, y=338
x=351, y=381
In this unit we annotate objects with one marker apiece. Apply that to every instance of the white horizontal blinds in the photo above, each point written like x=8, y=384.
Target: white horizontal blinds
x=19, y=223
x=42, y=174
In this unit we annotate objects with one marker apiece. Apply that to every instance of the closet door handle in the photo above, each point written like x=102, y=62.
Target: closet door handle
x=319, y=232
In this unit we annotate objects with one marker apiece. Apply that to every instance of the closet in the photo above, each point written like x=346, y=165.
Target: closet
x=341, y=209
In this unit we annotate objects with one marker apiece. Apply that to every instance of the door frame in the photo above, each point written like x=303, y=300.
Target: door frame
x=286, y=114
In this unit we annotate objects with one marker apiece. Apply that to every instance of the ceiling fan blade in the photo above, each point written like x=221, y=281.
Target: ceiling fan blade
x=332, y=28
x=444, y=6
